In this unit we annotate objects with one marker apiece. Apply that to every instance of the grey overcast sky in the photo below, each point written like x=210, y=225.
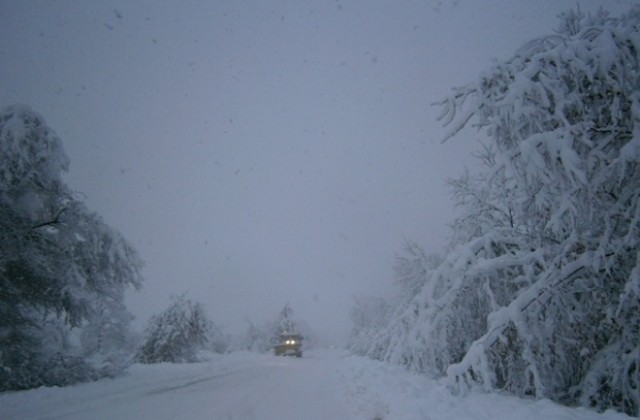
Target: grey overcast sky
x=262, y=152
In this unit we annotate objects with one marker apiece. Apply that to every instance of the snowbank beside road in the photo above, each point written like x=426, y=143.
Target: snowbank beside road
x=377, y=390
x=325, y=384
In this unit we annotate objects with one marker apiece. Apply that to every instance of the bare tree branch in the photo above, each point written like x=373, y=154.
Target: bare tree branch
x=54, y=221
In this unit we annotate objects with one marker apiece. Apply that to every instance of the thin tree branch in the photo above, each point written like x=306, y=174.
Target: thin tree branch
x=55, y=221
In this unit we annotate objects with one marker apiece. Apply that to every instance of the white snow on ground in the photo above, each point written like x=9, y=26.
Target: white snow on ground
x=325, y=384
x=379, y=390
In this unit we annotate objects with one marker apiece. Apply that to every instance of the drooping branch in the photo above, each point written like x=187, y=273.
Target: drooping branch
x=54, y=221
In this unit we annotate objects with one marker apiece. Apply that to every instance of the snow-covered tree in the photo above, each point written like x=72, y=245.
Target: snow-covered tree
x=218, y=340
x=539, y=293
x=177, y=334
x=399, y=330
x=59, y=263
x=369, y=316
x=257, y=338
x=287, y=322
x=411, y=269
x=284, y=322
x=563, y=117
x=263, y=337
x=107, y=340
x=374, y=318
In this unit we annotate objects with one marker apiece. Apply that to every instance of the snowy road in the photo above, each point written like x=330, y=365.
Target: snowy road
x=238, y=386
x=324, y=384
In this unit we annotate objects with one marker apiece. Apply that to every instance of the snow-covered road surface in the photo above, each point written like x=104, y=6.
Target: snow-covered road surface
x=236, y=386
x=324, y=384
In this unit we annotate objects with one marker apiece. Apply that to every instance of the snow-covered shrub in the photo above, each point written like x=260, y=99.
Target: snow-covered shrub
x=257, y=338
x=368, y=315
x=60, y=265
x=218, y=340
x=177, y=334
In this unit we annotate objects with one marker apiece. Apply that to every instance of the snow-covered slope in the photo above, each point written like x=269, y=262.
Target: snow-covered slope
x=322, y=385
x=384, y=391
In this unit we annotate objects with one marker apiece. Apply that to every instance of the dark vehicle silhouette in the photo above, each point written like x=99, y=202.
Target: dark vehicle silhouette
x=289, y=345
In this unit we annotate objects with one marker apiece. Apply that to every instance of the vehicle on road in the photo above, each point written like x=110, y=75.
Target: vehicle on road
x=289, y=345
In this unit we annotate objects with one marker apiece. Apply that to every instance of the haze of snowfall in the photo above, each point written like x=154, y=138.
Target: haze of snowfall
x=537, y=294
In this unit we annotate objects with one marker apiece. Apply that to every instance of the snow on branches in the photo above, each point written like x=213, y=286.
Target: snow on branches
x=177, y=334
x=539, y=294
x=63, y=271
x=563, y=118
